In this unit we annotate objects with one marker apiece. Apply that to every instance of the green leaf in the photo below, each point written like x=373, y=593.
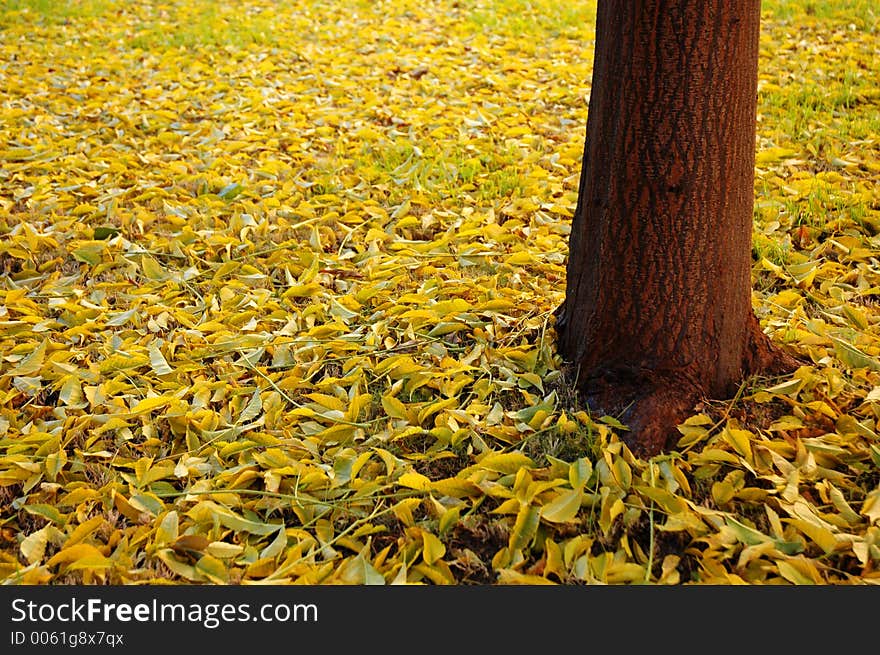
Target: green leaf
x=47, y=512
x=104, y=232
x=525, y=527
x=579, y=472
x=230, y=191
x=228, y=518
x=167, y=530
x=745, y=534
x=613, y=422
x=852, y=357
x=91, y=252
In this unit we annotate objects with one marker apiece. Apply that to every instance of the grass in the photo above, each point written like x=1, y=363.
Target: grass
x=861, y=13
x=529, y=17
x=53, y=11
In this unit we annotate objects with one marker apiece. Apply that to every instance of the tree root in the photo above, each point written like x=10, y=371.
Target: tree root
x=650, y=405
x=653, y=403
x=762, y=356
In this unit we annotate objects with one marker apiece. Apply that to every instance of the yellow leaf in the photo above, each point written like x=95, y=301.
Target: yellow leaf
x=415, y=480
x=340, y=434
x=121, y=362
x=84, y=529
x=168, y=529
x=449, y=518
x=871, y=507
x=852, y=357
x=447, y=327
x=33, y=547
x=512, y=576
x=564, y=507
x=439, y=574
x=90, y=252
x=667, y=501
x=509, y=506
x=579, y=472
x=394, y=408
x=90, y=563
x=223, y=550
x=456, y=487
x=433, y=549
x=359, y=571
x=623, y=573
x=186, y=571
x=740, y=440
x=328, y=401
x=55, y=462
x=125, y=508
x=612, y=507
x=149, y=404
x=822, y=536
x=158, y=362
x=33, y=362
x=71, y=390
x=525, y=527
x=152, y=269
x=302, y=290
x=209, y=511
x=279, y=543
x=622, y=473
x=798, y=572
x=403, y=510
x=770, y=155
x=505, y=462
x=520, y=258
x=722, y=492
x=76, y=552
x=213, y=569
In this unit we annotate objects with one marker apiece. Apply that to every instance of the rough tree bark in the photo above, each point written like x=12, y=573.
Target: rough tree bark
x=657, y=312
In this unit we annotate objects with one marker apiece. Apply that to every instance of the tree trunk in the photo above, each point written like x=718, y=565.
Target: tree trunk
x=657, y=312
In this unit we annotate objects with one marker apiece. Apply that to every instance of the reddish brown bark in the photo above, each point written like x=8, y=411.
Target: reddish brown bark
x=658, y=309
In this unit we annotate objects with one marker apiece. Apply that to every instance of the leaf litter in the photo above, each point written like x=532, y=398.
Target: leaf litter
x=277, y=291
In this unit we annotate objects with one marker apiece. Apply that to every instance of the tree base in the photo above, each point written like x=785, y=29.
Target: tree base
x=762, y=356
x=653, y=403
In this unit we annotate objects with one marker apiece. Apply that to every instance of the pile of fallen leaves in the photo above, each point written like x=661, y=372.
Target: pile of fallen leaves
x=276, y=295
